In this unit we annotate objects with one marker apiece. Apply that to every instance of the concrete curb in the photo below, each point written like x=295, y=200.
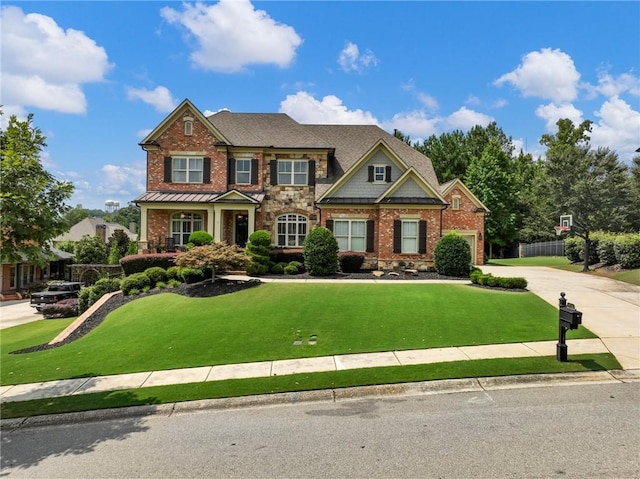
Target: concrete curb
x=443, y=386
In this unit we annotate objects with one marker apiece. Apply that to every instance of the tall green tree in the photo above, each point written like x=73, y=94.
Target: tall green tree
x=32, y=201
x=491, y=177
x=591, y=185
x=91, y=250
x=448, y=153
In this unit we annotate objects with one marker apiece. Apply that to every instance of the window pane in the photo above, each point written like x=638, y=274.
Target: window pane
x=357, y=244
x=409, y=245
x=409, y=228
x=358, y=228
x=341, y=228
x=180, y=176
x=343, y=244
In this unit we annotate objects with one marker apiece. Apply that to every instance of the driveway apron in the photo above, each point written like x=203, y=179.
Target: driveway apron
x=611, y=309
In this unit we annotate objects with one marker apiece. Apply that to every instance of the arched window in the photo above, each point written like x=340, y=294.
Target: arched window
x=292, y=229
x=182, y=225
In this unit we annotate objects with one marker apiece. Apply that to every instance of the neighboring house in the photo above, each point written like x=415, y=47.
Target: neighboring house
x=233, y=173
x=92, y=227
x=18, y=277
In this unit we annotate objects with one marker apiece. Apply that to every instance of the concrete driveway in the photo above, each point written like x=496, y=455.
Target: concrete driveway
x=611, y=309
x=13, y=313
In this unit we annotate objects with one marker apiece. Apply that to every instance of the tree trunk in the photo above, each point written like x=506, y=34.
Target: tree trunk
x=587, y=252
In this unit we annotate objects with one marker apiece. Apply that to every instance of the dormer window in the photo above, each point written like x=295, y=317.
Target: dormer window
x=188, y=126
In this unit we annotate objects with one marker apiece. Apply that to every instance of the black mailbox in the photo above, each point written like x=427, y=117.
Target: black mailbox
x=570, y=318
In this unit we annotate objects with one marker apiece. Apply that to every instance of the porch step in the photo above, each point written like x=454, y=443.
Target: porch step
x=10, y=296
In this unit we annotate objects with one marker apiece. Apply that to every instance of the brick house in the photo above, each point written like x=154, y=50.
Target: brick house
x=233, y=173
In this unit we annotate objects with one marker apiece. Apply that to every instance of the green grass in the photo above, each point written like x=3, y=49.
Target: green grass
x=168, y=331
x=631, y=276
x=306, y=382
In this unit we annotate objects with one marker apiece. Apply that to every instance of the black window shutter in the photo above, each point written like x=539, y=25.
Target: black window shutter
x=167, y=169
x=231, y=171
x=206, y=170
x=330, y=225
x=370, y=226
x=422, y=237
x=397, y=236
x=312, y=173
x=254, y=171
x=387, y=172
x=370, y=179
x=273, y=168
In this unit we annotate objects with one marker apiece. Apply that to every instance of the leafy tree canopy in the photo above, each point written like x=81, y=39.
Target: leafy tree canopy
x=32, y=201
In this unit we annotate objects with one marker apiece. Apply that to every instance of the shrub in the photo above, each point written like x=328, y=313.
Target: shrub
x=83, y=299
x=200, y=238
x=135, y=281
x=173, y=273
x=215, y=257
x=320, y=252
x=258, y=251
x=278, y=268
x=291, y=268
x=452, y=256
x=478, y=277
x=65, y=308
x=286, y=257
x=156, y=274
x=90, y=250
x=574, y=250
x=138, y=263
x=134, y=292
x=91, y=294
x=161, y=285
x=475, y=275
x=173, y=283
x=606, y=249
x=350, y=263
x=191, y=275
x=627, y=250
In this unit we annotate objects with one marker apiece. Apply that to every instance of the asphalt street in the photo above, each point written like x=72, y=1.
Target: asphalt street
x=580, y=431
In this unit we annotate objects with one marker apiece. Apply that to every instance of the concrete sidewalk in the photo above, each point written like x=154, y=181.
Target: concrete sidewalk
x=67, y=387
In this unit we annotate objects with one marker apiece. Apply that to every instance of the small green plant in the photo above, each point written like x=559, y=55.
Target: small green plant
x=452, y=256
x=191, y=275
x=350, y=263
x=161, y=285
x=320, y=252
x=278, y=268
x=173, y=273
x=134, y=292
x=156, y=274
x=291, y=268
x=173, y=283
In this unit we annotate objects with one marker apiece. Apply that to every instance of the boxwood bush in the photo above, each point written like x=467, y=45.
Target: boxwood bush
x=479, y=278
x=200, y=238
x=258, y=249
x=135, y=281
x=156, y=275
x=350, y=263
x=191, y=275
x=452, y=256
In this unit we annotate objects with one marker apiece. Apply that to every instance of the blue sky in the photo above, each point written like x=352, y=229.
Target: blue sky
x=98, y=76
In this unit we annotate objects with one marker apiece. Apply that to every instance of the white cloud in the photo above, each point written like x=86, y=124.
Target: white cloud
x=123, y=181
x=160, y=98
x=465, y=119
x=44, y=65
x=611, y=86
x=416, y=124
x=350, y=59
x=231, y=35
x=425, y=99
x=551, y=113
x=143, y=133
x=500, y=103
x=304, y=108
x=549, y=74
x=618, y=128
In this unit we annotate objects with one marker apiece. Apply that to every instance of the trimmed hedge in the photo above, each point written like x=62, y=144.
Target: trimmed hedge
x=481, y=279
x=138, y=263
x=627, y=250
x=321, y=252
x=200, y=238
x=606, y=248
x=136, y=281
x=351, y=263
x=156, y=275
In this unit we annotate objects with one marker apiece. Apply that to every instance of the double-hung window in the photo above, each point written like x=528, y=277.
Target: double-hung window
x=187, y=170
x=243, y=171
x=291, y=172
x=350, y=234
x=409, y=237
x=292, y=229
x=379, y=173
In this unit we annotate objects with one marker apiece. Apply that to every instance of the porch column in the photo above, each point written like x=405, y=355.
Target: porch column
x=210, y=218
x=144, y=211
x=252, y=219
x=217, y=222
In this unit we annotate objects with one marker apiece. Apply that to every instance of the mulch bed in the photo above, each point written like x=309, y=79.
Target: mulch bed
x=215, y=288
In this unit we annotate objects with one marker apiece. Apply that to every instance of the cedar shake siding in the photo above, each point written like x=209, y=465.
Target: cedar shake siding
x=233, y=173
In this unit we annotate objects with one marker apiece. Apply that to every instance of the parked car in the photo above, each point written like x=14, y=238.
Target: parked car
x=54, y=293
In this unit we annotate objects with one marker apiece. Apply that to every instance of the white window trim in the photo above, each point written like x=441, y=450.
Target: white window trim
x=292, y=173
x=195, y=221
x=188, y=128
x=237, y=181
x=384, y=174
x=350, y=236
x=188, y=170
x=455, y=203
x=404, y=237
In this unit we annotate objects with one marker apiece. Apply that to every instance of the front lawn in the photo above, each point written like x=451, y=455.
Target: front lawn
x=169, y=331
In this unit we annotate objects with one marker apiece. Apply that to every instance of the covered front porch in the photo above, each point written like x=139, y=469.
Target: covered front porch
x=168, y=221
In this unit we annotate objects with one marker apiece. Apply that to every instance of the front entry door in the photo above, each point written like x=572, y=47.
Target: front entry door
x=242, y=230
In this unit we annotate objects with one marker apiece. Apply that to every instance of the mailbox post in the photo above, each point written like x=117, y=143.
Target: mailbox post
x=569, y=318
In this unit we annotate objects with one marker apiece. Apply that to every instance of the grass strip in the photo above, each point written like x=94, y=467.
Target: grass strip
x=307, y=382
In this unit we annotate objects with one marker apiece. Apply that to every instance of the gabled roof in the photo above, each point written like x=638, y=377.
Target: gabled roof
x=432, y=192
x=179, y=111
x=450, y=185
x=267, y=130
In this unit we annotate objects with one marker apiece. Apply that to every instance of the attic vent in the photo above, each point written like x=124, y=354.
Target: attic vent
x=188, y=126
